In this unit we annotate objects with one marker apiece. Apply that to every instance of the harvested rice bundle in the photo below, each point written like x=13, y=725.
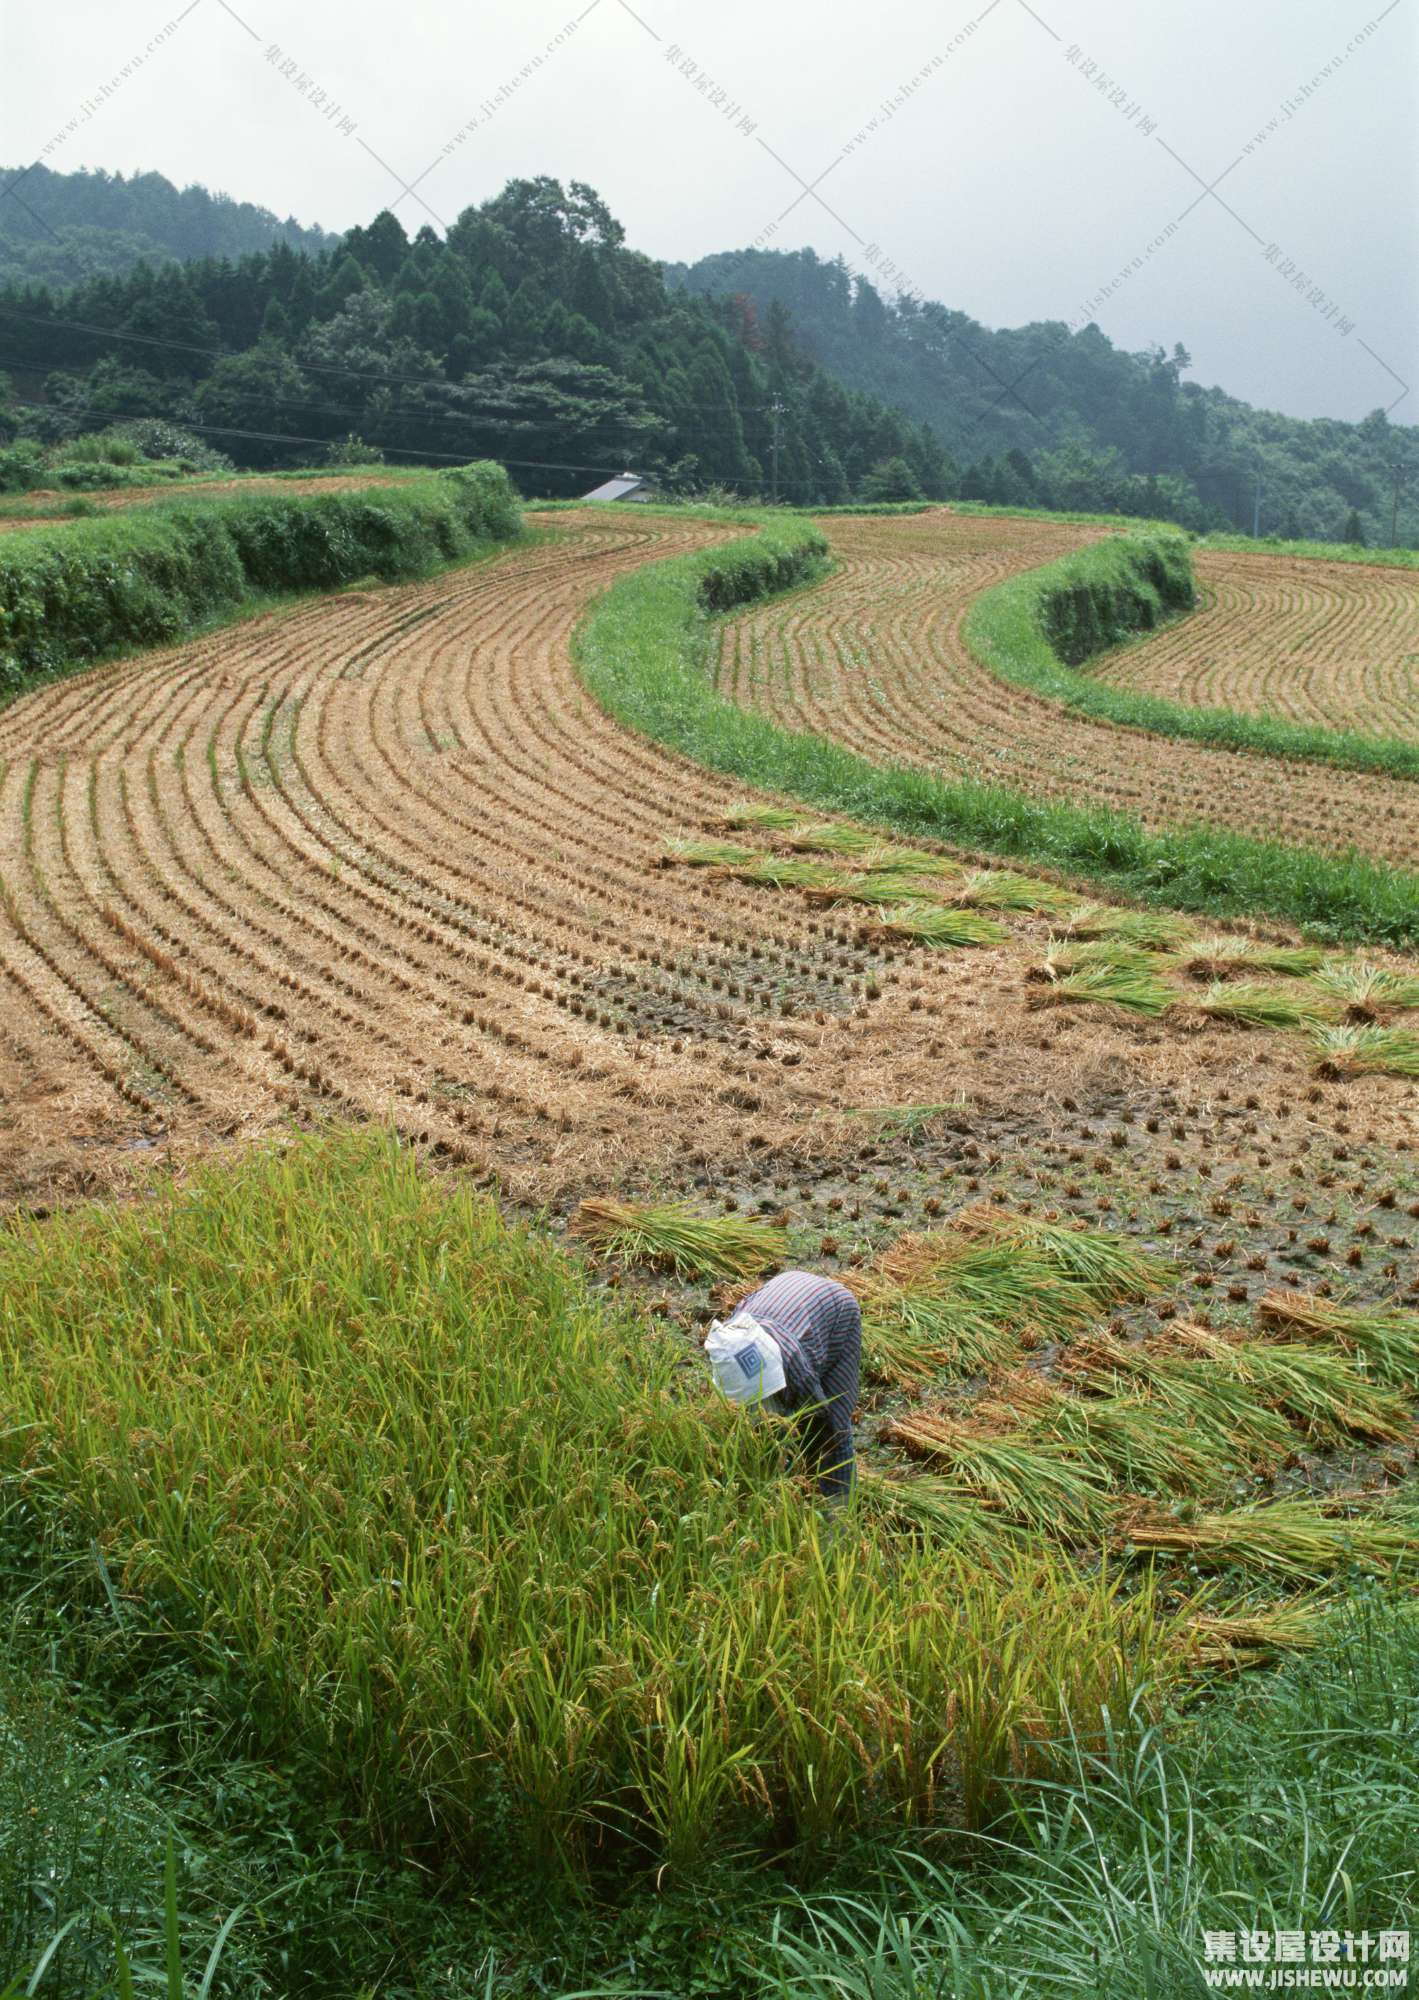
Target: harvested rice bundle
x=1063, y=958
x=915, y=1500
x=1131, y=985
x=1254, y=1638
x=786, y=871
x=672, y=1236
x=1208, y=1401
x=936, y=924
x=1150, y=930
x=878, y=885
x=910, y=1334
x=1254, y=1005
x=709, y=854
x=1009, y=1284
x=1108, y=1266
x=1368, y=992
x=1033, y=1481
x=1134, y=1443
x=1386, y=1338
x=832, y=837
x=1366, y=1051
x=998, y=889
x=1321, y=1388
x=1302, y=1539
x=772, y=819
x=1223, y=956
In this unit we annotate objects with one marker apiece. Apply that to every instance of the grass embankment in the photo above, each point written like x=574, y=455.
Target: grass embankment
x=96, y=587
x=645, y=652
x=1035, y=630
x=466, y=1545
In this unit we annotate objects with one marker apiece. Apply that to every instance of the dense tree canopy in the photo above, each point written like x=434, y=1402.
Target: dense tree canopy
x=531, y=334
x=1039, y=414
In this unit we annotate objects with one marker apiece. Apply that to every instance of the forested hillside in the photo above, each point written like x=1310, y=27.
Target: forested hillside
x=531, y=334
x=1070, y=420
x=59, y=229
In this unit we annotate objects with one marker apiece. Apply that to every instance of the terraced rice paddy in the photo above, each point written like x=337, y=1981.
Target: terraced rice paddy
x=876, y=658
x=1329, y=643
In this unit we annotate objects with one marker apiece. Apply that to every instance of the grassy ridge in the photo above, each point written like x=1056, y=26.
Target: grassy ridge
x=1033, y=630
x=466, y=1546
x=70, y=596
x=644, y=651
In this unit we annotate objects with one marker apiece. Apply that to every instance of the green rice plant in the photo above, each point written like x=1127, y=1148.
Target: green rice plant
x=1366, y=990
x=1131, y=986
x=1223, y=956
x=1150, y=930
x=762, y=818
x=1386, y=1338
x=670, y=1235
x=1352, y=1050
x=1253, y=1005
x=1322, y=1389
x=999, y=889
x=1107, y=1266
x=934, y=924
x=710, y=854
x=906, y=1121
x=1035, y=1482
x=1302, y=1540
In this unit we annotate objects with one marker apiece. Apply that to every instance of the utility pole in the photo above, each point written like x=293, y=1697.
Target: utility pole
x=1256, y=509
x=774, y=409
x=1398, y=470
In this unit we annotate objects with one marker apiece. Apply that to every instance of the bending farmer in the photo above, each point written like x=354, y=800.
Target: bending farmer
x=816, y=1325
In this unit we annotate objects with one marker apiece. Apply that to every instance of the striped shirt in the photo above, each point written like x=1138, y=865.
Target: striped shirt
x=818, y=1326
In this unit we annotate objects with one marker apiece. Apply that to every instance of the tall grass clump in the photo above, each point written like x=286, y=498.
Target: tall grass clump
x=72, y=595
x=645, y=652
x=469, y=1549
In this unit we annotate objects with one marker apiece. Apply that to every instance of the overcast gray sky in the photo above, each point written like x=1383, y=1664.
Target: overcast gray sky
x=1031, y=159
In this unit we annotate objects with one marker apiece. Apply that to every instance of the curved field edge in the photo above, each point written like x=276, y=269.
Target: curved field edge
x=644, y=653
x=98, y=588
x=1013, y=629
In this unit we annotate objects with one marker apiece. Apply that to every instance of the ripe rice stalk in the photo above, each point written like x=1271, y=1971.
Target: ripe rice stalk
x=1134, y=1443
x=933, y=924
x=1150, y=930
x=913, y=861
x=998, y=889
x=1349, y=1050
x=910, y=1334
x=1287, y=1538
x=1106, y=1265
x=1032, y=1481
x=1224, y=956
x=709, y=854
x=1254, y=1005
x=1386, y=1338
x=1131, y=986
x=1368, y=991
x=752, y=813
x=670, y=1235
x=1321, y=1388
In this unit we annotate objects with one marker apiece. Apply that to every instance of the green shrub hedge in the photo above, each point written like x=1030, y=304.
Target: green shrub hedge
x=69, y=596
